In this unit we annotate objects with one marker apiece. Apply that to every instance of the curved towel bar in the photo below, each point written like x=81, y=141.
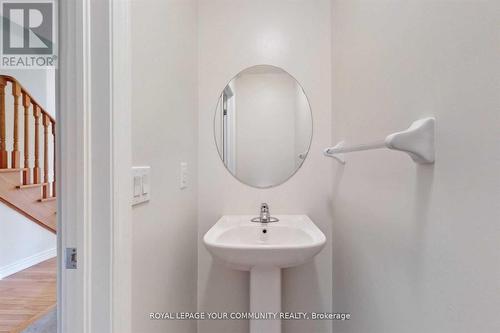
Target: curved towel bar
x=417, y=141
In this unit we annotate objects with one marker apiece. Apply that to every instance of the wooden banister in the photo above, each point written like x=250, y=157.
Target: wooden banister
x=26, y=171
x=16, y=155
x=33, y=194
x=36, y=168
x=8, y=78
x=41, y=117
x=54, y=157
x=3, y=151
x=45, y=156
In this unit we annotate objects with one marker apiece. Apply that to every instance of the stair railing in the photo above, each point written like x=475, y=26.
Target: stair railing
x=32, y=109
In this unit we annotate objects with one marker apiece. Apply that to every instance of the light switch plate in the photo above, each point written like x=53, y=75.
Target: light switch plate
x=141, y=184
x=145, y=184
x=137, y=186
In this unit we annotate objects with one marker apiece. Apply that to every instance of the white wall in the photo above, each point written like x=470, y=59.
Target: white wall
x=294, y=35
x=164, y=115
x=416, y=247
x=23, y=243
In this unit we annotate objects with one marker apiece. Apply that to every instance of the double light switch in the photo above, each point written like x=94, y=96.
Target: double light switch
x=141, y=184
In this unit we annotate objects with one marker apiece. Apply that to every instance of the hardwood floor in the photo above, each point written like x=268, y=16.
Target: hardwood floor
x=27, y=295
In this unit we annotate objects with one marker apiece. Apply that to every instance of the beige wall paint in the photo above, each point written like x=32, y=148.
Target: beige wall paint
x=293, y=35
x=416, y=247
x=164, y=133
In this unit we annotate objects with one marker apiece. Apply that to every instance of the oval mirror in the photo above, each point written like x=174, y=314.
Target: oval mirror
x=263, y=126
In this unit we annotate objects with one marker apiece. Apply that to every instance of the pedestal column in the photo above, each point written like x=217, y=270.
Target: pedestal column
x=265, y=296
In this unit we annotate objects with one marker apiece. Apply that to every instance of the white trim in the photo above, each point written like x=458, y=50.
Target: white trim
x=73, y=122
x=24, y=263
x=121, y=159
x=94, y=123
x=86, y=165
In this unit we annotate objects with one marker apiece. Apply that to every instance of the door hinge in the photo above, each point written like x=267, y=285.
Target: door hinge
x=71, y=258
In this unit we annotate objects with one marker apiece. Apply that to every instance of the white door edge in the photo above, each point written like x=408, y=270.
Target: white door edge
x=84, y=306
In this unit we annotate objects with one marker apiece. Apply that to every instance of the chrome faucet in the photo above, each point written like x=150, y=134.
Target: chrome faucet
x=265, y=215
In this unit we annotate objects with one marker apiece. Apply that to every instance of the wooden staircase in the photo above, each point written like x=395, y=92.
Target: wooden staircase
x=28, y=188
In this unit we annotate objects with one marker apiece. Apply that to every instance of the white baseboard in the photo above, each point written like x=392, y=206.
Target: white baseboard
x=27, y=262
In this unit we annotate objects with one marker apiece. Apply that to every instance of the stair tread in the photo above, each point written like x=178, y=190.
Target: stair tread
x=12, y=170
x=50, y=223
x=31, y=185
x=47, y=199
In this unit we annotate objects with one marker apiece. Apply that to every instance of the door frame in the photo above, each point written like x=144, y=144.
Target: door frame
x=94, y=190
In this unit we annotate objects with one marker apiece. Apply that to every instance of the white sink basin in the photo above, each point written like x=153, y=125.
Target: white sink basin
x=264, y=249
x=242, y=244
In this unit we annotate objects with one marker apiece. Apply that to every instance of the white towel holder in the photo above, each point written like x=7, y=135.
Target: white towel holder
x=417, y=141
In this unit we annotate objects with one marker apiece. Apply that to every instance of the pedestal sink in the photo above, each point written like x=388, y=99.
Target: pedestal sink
x=264, y=249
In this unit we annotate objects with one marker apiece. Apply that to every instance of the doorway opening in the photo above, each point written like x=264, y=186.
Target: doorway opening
x=28, y=201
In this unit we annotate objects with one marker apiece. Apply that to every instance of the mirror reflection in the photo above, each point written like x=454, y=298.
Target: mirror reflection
x=263, y=126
